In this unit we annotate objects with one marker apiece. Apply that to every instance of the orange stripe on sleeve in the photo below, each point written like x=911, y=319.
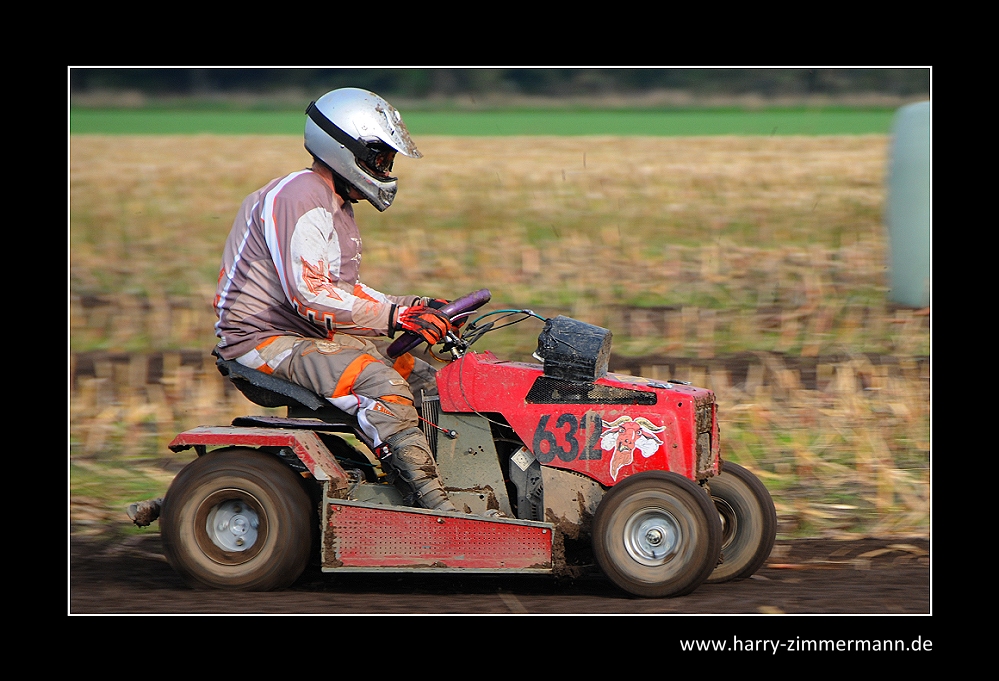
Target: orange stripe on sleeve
x=359, y=292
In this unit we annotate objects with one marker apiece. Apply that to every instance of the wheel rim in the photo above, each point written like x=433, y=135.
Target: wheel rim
x=230, y=526
x=233, y=525
x=729, y=521
x=652, y=536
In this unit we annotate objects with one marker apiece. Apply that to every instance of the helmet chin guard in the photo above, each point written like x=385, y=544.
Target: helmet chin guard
x=350, y=130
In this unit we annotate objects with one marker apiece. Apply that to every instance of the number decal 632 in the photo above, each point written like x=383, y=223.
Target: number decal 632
x=568, y=437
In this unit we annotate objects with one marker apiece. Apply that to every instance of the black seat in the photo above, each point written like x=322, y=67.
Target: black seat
x=306, y=410
x=267, y=390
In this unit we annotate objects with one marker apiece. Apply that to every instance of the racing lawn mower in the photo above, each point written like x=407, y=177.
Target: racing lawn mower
x=553, y=464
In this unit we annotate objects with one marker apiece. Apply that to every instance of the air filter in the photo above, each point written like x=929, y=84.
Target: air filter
x=573, y=350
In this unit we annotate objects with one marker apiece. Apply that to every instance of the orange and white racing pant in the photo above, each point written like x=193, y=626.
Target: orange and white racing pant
x=353, y=374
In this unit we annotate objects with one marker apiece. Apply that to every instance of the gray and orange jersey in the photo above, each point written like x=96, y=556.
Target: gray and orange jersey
x=290, y=267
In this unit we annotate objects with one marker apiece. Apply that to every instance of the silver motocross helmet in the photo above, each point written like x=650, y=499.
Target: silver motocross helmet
x=357, y=133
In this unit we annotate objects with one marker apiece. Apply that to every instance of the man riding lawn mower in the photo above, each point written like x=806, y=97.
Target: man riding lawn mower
x=290, y=301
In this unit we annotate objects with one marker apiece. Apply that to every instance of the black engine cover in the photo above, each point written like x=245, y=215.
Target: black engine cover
x=573, y=350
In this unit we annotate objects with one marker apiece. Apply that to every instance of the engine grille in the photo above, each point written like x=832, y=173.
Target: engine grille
x=547, y=390
x=704, y=416
x=431, y=412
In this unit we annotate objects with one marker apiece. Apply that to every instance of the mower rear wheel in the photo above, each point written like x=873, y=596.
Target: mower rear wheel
x=749, y=522
x=657, y=534
x=237, y=519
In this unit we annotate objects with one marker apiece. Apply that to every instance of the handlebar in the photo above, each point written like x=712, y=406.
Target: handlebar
x=467, y=303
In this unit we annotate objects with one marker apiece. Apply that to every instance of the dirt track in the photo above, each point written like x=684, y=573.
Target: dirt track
x=870, y=576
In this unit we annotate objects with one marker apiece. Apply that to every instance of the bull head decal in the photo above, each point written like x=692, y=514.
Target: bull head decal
x=624, y=436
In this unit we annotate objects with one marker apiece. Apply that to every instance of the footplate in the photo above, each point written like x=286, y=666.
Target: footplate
x=361, y=537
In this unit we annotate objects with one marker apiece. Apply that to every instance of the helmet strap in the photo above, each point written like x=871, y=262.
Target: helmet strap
x=357, y=148
x=342, y=188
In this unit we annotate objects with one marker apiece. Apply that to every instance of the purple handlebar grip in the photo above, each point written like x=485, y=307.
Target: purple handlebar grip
x=472, y=301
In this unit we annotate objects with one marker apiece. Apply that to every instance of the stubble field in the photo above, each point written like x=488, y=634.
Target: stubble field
x=755, y=266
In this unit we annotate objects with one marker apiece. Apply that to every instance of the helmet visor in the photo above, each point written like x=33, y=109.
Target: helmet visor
x=379, y=160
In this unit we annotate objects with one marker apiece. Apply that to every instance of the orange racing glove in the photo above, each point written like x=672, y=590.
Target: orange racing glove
x=438, y=303
x=426, y=322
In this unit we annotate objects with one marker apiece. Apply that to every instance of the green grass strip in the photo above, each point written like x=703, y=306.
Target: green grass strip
x=833, y=121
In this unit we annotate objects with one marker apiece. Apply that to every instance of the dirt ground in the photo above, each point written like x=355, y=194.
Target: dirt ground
x=863, y=577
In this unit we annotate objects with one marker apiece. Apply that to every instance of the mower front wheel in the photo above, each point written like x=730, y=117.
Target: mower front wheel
x=657, y=534
x=749, y=522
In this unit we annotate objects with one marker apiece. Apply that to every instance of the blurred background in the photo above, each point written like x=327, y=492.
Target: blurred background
x=484, y=86
x=760, y=232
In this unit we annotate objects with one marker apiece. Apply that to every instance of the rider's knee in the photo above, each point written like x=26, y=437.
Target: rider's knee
x=383, y=383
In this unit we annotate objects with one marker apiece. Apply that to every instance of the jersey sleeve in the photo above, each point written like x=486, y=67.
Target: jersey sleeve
x=310, y=267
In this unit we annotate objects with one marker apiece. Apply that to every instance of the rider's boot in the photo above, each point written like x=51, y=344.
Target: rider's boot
x=415, y=470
